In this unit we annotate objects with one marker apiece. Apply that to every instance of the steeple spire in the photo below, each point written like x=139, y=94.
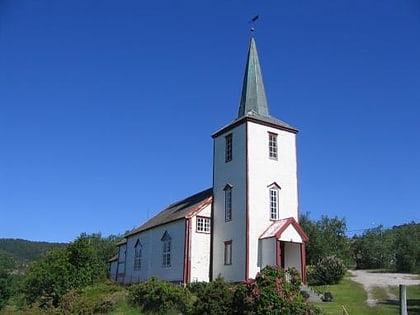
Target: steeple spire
x=253, y=98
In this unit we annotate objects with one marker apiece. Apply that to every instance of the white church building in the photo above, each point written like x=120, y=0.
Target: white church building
x=246, y=221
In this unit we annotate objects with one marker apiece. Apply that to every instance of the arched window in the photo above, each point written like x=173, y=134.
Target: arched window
x=274, y=192
x=166, y=249
x=137, y=255
x=228, y=202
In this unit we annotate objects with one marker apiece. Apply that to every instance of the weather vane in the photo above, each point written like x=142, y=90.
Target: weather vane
x=252, y=22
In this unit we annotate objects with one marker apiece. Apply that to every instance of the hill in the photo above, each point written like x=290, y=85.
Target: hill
x=23, y=252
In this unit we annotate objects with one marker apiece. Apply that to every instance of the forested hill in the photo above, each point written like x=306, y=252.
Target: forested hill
x=23, y=251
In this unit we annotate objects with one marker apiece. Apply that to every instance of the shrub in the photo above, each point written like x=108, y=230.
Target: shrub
x=159, y=297
x=213, y=297
x=328, y=270
x=327, y=297
x=271, y=293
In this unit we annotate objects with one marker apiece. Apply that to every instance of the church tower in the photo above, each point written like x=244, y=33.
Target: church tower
x=255, y=188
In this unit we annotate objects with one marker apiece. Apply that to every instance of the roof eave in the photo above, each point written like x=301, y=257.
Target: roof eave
x=255, y=119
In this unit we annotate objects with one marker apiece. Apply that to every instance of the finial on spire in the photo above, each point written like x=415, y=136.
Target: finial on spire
x=252, y=22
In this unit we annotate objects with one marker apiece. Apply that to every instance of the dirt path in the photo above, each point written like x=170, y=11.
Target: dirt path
x=372, y=279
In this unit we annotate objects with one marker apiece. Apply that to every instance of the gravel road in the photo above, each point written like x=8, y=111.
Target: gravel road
x=371, y=279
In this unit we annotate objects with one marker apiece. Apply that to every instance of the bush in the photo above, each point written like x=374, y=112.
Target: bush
x=327, y=297
x=328, y=270
x=212, y=297
x=159, y=297
x=98, y=299
x=271, y=293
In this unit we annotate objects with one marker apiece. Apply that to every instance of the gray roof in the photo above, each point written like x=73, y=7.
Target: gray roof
x=176, y=211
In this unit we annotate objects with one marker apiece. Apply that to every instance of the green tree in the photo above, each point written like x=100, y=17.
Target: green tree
x=406, y=247
x=327, y=237
x=373, y=249
x=6, y=264
x=81, y=263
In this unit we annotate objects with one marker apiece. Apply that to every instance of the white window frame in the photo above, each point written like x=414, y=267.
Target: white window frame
x=272, y=146
x=203, y=225
x=138, y=249
x=274, y=203
x=227, y=259
x=228, y=147
x=166, y=250
x=228, y=202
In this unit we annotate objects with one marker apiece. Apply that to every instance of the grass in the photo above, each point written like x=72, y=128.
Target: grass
x=413, y=298
x=353, y=297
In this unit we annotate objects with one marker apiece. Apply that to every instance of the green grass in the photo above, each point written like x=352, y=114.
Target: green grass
x=413, y=298
x=124, y=308
x=353, y=297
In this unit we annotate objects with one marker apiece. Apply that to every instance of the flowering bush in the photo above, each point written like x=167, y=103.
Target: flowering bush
x=328, y=270
x=271, y=293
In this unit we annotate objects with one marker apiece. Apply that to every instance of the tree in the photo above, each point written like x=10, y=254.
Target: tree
x=406, y=247
x=327, y=237
x=81, y=263
x=49, y=278
x=373, y=249
x=6, y=264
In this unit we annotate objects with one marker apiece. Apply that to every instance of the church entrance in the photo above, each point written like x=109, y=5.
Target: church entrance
x=283, y=245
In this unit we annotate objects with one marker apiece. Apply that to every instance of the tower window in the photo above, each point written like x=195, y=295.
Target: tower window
x=228, y=253
x=166, y=249
x=137, y=255
x=228, y=148
x=274, y=204
x=272, y=145
x=228, y=202
x=203, y=225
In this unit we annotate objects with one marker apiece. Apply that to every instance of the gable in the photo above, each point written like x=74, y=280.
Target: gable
x=288, y=230
x=290, y=234
x=176, y=211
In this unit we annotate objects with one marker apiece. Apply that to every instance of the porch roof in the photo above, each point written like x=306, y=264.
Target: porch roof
x=277, y=228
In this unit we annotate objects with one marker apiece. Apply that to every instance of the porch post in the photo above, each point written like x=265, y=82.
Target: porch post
x=303, y=261
x=278, y=253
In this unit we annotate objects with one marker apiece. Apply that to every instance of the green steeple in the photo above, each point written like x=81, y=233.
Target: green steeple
x=253, y=98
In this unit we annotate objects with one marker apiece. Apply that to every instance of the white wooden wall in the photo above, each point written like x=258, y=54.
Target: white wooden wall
x=200, y=249
x=152, y=254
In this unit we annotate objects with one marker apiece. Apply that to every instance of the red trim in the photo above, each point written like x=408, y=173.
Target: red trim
x=278, y=253
x=247, y=207
x=199, y=208
x=187, y=252
x=303, y=261
x=296, y=225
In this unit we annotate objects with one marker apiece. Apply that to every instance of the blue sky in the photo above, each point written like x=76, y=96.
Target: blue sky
x=107, y=107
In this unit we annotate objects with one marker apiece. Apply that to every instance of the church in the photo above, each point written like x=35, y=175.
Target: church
x=246, y=221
